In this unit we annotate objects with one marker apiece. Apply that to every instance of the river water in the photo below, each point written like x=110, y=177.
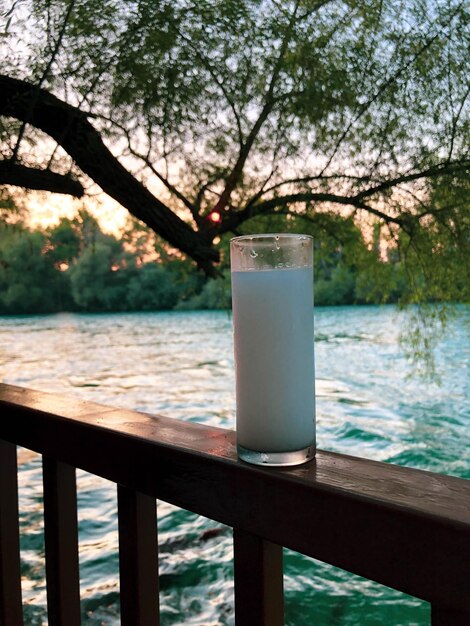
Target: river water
x=181, y=365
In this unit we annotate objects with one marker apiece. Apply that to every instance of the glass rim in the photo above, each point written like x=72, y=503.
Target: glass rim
x=270, y=237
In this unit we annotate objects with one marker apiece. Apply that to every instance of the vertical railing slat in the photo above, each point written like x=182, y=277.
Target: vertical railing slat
x=11, y=612
x=61, y=543
x=138, y=558
x=441, y=616
x=259, y=593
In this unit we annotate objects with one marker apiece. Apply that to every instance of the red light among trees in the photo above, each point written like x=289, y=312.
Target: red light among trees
x=215, y=217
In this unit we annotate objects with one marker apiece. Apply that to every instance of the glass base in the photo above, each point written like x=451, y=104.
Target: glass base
x=276, y=459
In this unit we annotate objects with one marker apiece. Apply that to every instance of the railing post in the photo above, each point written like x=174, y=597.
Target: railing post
x=259, y=592
x=441, y=616
x=11, y=611
x=61, y=543
x=138, y=558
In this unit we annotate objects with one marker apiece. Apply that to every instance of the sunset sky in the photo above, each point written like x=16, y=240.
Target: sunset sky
x=46, y=209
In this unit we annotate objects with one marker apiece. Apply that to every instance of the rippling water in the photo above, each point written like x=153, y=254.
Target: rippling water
x=181, y=365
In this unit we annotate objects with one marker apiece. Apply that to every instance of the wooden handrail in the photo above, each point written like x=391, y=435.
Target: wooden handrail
x=405, y=528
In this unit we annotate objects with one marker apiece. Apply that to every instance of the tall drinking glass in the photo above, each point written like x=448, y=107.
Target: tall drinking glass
x=272, y=297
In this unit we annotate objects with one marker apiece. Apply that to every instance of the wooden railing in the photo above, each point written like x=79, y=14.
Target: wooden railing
x=404, y=528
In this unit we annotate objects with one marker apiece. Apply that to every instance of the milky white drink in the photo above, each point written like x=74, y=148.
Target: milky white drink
x=274, y=361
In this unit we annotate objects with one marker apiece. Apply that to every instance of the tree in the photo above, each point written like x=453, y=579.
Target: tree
x=101, y=272
x=65, y=243
x=28, y=281
x=95, y=287
x=152, y=289
x=200, y=116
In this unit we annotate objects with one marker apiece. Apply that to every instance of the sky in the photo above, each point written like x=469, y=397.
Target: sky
x=46, y=209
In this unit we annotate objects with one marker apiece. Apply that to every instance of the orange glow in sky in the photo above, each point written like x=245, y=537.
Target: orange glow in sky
x=46, y=209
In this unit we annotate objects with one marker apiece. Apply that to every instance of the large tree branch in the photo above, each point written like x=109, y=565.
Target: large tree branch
x=255, y=205
x=357, y=200
x=303, y=180
x=84, y=144
x=270, y=206
x=441, y=169
x=41, y=179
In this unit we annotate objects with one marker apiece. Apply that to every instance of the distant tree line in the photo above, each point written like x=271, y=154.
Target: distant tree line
x=74, y=266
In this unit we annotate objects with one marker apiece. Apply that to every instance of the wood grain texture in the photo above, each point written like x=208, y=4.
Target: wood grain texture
x=404, y=528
